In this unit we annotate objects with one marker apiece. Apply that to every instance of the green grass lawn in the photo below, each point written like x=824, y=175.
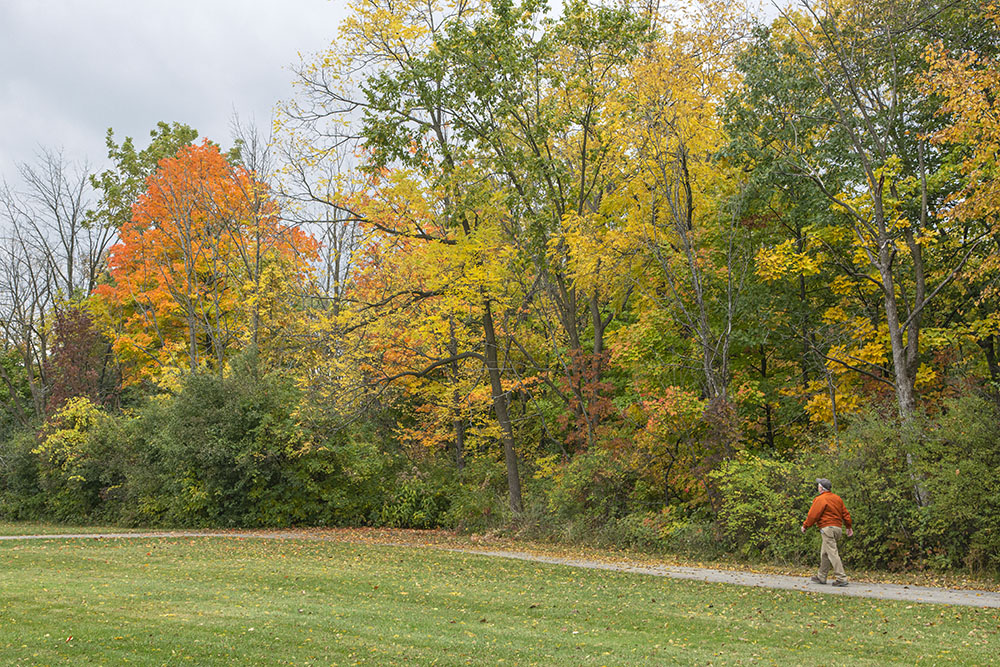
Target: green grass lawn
x=248, y=601
x=37, y=528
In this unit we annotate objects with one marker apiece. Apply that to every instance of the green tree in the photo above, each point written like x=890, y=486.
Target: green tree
x=831, y=98
x=121, y=185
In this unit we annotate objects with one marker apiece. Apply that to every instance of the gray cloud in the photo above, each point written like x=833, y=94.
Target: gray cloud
x=69, y=69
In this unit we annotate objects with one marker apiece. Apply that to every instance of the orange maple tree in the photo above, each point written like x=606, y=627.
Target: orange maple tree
x=204, y=267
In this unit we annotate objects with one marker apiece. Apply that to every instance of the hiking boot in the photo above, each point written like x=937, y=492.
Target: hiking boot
x=840, y=584
x=816, y=580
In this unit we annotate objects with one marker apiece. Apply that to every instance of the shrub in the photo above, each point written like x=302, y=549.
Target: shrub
x=763, y=503
x=918, y=493
x=592, y=488
x=225, y=445
x=640, y=530
x=480, y=501
x=419, y=498
x=958, y=462
x=21, y=494
x=69, y=467
x=695, y=538
x=353, y=489
x=872, y=472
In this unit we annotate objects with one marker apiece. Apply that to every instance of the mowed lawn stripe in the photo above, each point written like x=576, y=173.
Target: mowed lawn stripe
x=225, y=601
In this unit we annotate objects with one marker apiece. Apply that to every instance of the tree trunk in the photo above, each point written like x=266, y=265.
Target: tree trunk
x=904, y=375
x=988, y=346
x=768, y=418
x=904, y=369
x=458, y=421
x=500, y=407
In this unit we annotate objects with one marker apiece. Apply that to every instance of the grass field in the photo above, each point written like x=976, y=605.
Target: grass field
x=34, y=528
x=292, y=602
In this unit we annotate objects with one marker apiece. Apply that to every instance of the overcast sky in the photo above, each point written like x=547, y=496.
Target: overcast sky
x=69, y=69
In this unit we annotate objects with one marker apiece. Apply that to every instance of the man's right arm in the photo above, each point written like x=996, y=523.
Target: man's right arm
x=814, y=513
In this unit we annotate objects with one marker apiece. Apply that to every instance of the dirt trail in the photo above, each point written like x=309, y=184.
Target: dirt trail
x=917, y=594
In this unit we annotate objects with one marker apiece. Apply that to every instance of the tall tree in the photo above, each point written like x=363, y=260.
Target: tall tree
x=404, y=101
x=51, y=256
x=966, y=77
x=204, y=257
x=529, y=98
x=831, y=97
x=122, y=185
x=683, y=208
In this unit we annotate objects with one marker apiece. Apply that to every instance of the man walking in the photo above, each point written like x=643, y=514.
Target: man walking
x=829, y=513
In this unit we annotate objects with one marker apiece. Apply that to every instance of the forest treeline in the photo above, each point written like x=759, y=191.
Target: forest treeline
x=629, y=274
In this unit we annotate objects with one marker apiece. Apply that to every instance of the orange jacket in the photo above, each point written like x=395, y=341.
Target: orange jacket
x=828, y=510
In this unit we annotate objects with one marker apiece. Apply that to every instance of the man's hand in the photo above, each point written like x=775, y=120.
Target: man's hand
x=850, y=532
x=803, y=529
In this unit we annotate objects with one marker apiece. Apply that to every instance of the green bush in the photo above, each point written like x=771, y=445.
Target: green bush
x=355, y=491
x=674, y=529
x=138, y=442
x=919, y=493
x=419, y=498
x=119, y=462
x=232, y=451
x=641, y=530
x=21, y=494
x=69, y=465
x=220, y=452
x=480, y=500
x=226, y=445
x=695, y=538
x=958, y=463
x=592, y=488
x=873, y=472
x=763, y=503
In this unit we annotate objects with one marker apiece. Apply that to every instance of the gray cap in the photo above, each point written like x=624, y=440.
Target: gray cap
x=825, y=483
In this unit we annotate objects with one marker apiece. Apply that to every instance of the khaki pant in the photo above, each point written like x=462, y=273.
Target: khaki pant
x=828, y=555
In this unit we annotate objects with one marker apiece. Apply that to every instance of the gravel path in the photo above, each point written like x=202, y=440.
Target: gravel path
x=963, y=597
x=917, y=594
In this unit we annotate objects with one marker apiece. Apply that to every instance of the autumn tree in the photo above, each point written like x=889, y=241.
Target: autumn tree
x=80, y=362
x=395, y=43
x=414, y=308
x=50, y=258
x=681, y=206
x=495, y=97
x=831, y=98
x=122, y=185
x=530, y=99
x=673, y=230
x=966, y=77
x=203, y=259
